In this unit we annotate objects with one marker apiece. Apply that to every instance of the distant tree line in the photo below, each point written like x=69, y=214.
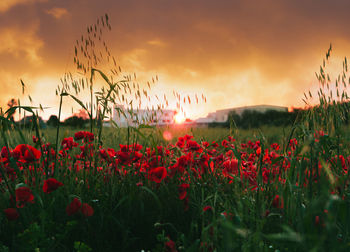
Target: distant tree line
x=248, y=119
x=73, y=121
x=28, y=122
x=255, y=119
x=77, y=120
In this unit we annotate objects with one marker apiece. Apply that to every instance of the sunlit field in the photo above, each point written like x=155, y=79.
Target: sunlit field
x=172, y=188
x=216, y=191
x=112, y=137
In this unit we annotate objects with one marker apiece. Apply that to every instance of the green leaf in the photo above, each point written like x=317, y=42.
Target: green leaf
x=280, y=158
x=38, y=198
x=288, y=235
x=156, y=198
x=23, y=86
x=93, y=70
x=81, y=104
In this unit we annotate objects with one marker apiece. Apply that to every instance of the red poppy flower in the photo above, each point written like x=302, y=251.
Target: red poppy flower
x=136, y=147
x=4, y=152
x=84, y=135
x=68, y=143
x=231, y=139
x=205, y=144
x=275, y=146
x=51, y=185
x=277, y=202
x=187, y=137
x=258, y=151
x=157, y=174
x=170, y=246
x=86, y=150
x=103, y=153
x=73, y=207
x=230, y=167
x=111, y=152
x=4, y=155
x=87, y=210
x=317, y=220
x=206, y=208
x=11, y=214
x=225, y=143
x=26, y=153
x=123, y=156
x=293, y=144
x=181, y=142
x=193, y=146
x=183, y=190
x=108, y=154
x=24, y=195
x=35, y=139
x=214, y=144
x=184, y=160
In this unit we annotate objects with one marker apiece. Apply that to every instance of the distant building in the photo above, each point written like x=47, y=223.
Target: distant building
x=221, y=116
x=204, y=120
x=124, y=118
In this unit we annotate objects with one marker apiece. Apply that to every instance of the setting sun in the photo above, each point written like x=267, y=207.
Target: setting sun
x=179, y=118
x=220, y=129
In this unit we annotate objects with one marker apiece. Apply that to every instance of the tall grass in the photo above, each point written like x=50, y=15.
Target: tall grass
x=132, y=190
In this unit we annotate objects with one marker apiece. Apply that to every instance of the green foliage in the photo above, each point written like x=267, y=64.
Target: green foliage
x=3, y=248
x=251, y=119
x=53, y=121
x=255, y=119
x=76, y=122
x=81, y=247
x=293, y=199
x=29, y=122
x=332, y=110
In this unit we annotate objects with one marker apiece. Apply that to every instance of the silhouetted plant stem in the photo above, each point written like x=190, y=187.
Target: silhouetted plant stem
x=58, y=132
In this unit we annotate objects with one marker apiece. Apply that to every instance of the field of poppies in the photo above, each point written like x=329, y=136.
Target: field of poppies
x=148, y=189
x=182, y=196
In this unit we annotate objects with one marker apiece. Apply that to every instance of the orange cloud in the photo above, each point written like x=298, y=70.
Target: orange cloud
x=57, y=12
x=156, y=42
x=6, y=5
x=21, y=42
x=235, y=52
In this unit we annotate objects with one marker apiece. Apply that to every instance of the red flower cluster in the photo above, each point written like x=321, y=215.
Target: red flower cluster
x=68, y=143
x=24, y=195
x=207, y=208
x=11, y=214
x=51, y=185
x=170, y=246
x=157, y=174
x=26, y=153
x=75, y=206
x=87, y=136
x=183, y=190
x=251, y=164
x=277, y=202
x=87, y=210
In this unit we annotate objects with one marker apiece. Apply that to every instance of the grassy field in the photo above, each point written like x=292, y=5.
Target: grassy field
x=113, y=136
x=175, y=189
x=250, y=190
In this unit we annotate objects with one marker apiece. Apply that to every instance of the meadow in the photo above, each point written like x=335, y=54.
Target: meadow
x=111, y=137
x=220, y=190
x=145, y=188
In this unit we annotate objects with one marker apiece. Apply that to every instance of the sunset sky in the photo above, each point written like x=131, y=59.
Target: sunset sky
x=236, y=53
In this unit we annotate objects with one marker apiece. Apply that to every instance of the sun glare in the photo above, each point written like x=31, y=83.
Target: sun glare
x=179, y=118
